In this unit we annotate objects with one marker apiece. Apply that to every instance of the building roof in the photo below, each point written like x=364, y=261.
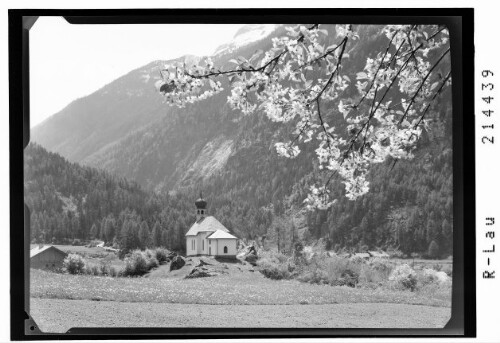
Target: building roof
x=38, y=250
x=221, y=234
x=200, y=202
x=209, y=224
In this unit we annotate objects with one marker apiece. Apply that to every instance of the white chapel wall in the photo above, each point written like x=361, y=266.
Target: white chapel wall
x=229, y=243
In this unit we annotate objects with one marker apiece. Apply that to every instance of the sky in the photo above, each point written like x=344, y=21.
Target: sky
x=71, y=61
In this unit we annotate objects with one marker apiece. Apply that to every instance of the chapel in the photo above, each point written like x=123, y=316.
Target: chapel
x=207, y=236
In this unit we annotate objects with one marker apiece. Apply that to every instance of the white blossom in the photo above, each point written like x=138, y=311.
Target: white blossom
x=281, y=83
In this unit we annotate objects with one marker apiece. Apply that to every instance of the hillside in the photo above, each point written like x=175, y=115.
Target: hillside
x=126, y=129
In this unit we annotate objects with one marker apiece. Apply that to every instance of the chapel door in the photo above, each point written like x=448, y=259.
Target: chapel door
x=210, y=250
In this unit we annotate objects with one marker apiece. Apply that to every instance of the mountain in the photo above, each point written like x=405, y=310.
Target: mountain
x=104, y=117
x=248, y=34
x=127, y=130
x=96, y=122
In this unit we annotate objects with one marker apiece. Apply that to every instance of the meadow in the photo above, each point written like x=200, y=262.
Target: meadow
x=273, y=293
x=241, y=287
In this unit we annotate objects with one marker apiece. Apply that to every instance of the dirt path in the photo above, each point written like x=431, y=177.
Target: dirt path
x=57, y=315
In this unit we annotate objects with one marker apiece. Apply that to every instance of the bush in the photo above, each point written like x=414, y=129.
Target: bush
x=152, y=262
x=298, y=248
x=76, y=242
x=380, y=264
x=113, y=272
x=93, y=270
x=316, y=276
x=427, y=276
x=104, y=269
x=448, y=269
x=123, y=253
x=74, y=264
x=275, y=271
x=404, y=277
x=161, y=255
x=349, y=278
x=136, y=264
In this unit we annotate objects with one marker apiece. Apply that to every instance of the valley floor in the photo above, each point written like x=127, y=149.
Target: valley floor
x=59, y=315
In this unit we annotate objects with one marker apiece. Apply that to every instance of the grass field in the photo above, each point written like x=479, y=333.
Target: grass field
x=244, y=288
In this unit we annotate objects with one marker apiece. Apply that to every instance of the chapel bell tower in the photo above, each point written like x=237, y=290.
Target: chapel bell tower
x=201, y=208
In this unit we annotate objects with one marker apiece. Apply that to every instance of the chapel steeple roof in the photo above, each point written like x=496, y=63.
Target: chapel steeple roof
x=200, y=202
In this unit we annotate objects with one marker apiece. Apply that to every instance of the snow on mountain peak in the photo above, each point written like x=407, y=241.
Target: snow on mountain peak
x=246, y=35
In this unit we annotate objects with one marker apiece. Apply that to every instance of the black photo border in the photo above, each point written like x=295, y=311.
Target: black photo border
x=460, y=22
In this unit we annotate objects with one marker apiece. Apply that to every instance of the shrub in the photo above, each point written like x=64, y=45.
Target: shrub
x=275, y=271
x=123, y=253
x=152, y=262
x=380, y=264
x=76, y=242
x=74, y=264
x=161, y=255
x=112, y=272
x=93, y=270
x=404, y=277
x=448, y=269
x=377, y=270
x=103, y=269
x=430, y=276
x=437, y=267
x=316, y=276
x=347, y=278
x=136, y=264
x=297, y=248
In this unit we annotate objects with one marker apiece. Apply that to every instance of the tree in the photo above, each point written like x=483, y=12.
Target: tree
x=301, y=79
x=144, y=235
x=180, y=239
x=109, y=229
x=128, y=240
x=94, y=231
x=156, y=235
x=433, y=251
x=165, y=239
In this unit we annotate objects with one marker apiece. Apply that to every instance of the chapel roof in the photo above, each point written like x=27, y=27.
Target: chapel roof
x=206, y=224
x=221, y=234
x=200, y=202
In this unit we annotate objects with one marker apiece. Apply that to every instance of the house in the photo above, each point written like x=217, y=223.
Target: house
x=207, y=236
x=46, y=257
